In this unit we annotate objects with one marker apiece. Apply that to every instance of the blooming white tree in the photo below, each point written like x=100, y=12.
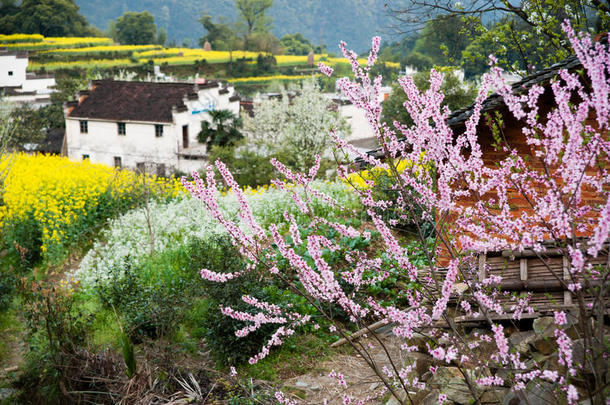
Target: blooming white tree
x=297, y=126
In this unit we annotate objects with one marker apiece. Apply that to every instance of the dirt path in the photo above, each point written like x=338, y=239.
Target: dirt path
x=316, y=387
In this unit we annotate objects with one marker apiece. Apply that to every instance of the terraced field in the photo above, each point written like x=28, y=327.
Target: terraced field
x=91, y=52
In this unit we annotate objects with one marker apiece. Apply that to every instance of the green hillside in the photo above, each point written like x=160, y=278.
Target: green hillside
x=354, y=21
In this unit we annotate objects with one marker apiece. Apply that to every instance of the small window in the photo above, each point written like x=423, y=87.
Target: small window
x=85, y=157
x=121, y=128
x=141, y=167
x=158, y=131
x=117, y=162
x=10, y=72
x=84, y=127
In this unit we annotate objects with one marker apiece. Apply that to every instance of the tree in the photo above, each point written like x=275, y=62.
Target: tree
x=296, y=126
x=253, y=18
x=136, y=28
x=161, y=36
x=223, y=131
x=220, y=35
x=295, y=44
x=444, y=38
x=529, y=30
x=54, y=18
x=441, y=172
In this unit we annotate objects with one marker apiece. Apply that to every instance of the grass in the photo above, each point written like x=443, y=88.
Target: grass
x=300, y=354
x=10, y=328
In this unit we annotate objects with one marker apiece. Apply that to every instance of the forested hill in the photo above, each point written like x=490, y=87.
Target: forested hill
x=321, y=21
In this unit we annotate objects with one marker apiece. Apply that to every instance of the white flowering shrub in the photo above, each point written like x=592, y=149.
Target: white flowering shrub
x=133, y=236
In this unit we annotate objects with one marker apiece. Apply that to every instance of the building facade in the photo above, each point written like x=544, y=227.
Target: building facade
x=144, y=125
x=20, y=87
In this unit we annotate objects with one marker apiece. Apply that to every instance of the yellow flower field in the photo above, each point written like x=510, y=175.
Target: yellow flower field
x=87, y=48
x=56, y=43
x=264, y=79
x=82, y=64
x=7, y=39
x=102, y=48
x=63, y=199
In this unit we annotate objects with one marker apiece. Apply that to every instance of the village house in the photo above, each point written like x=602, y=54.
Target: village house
x=147, y=126
x=20, y=87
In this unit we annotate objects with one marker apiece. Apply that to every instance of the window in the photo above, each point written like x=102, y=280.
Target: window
x=121, y=128
x=117, y=162
x=85, y=157
x=84, y=128
x=158, y=131
x=185, y=136
x=141, y=167
x=10, y=72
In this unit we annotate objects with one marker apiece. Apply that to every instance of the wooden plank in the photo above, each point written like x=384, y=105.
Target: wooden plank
x=523, y=269
x=494, y=317
x=567, y=296
x=482, y=260
x=531, y=285
x=530, y=253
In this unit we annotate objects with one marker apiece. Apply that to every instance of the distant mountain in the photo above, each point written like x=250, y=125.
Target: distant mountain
x=321, y=21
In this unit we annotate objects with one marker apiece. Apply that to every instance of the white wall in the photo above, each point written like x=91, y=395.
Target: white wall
x=40, y=85
x=102, y=142
x=11, y=63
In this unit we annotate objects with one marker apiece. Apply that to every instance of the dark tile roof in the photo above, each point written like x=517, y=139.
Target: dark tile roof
x=135, y=101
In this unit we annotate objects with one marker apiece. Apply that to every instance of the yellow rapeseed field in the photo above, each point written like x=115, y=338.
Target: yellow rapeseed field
x=55, y=43
x=103, y=48
x=264, y=79
x=62, y=198
x=20, y=38
x=82, y=64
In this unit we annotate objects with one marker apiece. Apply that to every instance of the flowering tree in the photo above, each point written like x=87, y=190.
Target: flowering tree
x=298, y=126
x=449, y=184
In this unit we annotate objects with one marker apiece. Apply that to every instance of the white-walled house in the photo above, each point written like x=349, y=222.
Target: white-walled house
x=20, y=87
x=150, y=126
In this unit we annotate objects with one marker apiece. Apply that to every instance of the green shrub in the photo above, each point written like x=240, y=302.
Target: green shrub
x=7, y=287
x=150, y=309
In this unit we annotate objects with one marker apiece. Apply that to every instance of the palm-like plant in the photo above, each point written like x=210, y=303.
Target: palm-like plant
x=222, y=131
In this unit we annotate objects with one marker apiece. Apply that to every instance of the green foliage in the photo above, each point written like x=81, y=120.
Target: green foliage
x=218, y=330
x=220, y=35
x=296, y=44
x=223, y=131
x=523, y=36
x=148, y=305
x=444, y=38
x=136, y=28
x=52, y=18
x=252, y=14
x=8, y=279
x=417, y=61
x=127, y=350
x=56, y=330
x=28, y=127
